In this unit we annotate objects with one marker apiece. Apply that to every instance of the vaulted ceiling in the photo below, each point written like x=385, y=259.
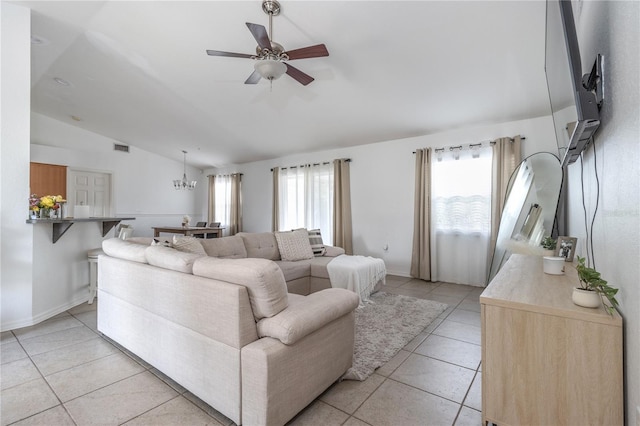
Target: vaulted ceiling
x=137, y=72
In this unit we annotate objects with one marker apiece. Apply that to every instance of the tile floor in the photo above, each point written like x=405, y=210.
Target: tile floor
x=62, y=372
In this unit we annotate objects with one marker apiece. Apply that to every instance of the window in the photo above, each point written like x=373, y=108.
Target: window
x=222, y=201
x=461, y=215
x=306, y=198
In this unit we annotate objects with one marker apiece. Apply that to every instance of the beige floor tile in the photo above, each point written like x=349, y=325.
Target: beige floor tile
x=120, y=401
x=465, y=317
x=7, y=337
x=49, y=326
x=396, y=404
x=85, y=378
x=177, y=411
x=56, y=416
x=22, y=401
x=354, y=422
x=452, y=290
x=393, y=363
x=419, y=293
x=396, y=281
x=209, y=409
x=89, y=319
x=18, y=372
x=459, y=331
x=419, y=284
x=469, y=417
x=452, y=301
x=348, y=395
x=434, y=376
x=73, y=355
x=469, y=305
x=319, y=413
x=452, y=351
x=474, y=397
x=416, y=341
x=59, y=339
x=11, y=351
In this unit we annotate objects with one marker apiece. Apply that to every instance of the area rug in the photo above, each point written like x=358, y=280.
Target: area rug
x=384, y=325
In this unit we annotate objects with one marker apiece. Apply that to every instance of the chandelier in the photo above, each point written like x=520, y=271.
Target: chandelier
x=184, y=183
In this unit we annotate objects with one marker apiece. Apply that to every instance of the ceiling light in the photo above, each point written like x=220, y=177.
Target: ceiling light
x=270, y=69
x=184, y=183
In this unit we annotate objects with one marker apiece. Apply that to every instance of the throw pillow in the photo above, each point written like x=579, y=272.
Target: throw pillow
x=315, y=239
x=164, y=243
x=188, y=245
x=294, y=245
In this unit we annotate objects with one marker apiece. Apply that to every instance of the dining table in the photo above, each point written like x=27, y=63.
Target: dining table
x=205, y=231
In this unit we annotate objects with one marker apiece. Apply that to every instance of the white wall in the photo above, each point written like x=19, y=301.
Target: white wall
x=612, y=29
x=16, y=237
x=382, y=182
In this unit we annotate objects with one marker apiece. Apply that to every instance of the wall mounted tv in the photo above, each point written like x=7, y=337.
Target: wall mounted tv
x=575, y=99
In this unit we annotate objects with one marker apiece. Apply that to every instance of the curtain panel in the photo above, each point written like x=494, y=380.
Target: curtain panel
x=275, y=208
x=225, y=202
x=342, y=230
x=507, y=154
x=421, y=252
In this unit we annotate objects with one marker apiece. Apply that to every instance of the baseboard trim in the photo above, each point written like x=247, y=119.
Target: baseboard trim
x=50, y=313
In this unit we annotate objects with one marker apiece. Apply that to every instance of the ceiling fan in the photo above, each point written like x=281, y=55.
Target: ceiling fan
x=271, y=58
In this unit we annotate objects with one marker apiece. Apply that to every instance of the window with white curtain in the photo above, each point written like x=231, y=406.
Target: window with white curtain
x=461, y=215
x=222, y=202
x=306, y=198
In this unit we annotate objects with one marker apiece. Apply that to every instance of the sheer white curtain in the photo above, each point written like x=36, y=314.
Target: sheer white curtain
x=225, y=190
x=306, y=199
x=461, y=215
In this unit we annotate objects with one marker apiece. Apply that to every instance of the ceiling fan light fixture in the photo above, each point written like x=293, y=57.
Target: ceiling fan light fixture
x=270, y=69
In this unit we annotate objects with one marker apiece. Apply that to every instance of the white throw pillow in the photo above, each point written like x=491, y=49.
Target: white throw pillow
x=188, y=245
x=294, y=245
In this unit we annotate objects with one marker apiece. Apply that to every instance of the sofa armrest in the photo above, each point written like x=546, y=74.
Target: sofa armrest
x=308, y=314
x=332, y=251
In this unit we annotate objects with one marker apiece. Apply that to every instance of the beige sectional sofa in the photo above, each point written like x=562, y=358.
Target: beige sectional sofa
x=224, y=324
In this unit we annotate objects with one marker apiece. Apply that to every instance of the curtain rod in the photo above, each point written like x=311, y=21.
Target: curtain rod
x=471, y=145
x=348, y=160
x=228, y=174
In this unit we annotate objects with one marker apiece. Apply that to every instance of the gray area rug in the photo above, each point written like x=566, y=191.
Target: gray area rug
x=384, y=325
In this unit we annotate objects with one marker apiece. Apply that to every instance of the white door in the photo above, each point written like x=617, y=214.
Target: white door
x=90, y=189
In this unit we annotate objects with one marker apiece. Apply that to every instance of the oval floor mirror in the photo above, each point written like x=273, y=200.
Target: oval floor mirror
x=530, y=207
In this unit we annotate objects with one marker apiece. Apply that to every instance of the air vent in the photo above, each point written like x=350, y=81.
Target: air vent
x=118, y=147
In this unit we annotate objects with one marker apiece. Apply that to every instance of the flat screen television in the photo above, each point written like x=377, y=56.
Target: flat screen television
x=574, y=103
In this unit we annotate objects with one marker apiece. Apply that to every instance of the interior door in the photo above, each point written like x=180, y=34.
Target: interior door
x=90, y=189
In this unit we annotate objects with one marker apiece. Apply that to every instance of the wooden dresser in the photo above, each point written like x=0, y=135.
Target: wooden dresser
x=546, y=361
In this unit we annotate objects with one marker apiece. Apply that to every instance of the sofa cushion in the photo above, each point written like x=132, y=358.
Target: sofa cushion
x=260, y=245
x=294, y=245
x=319, y=266
x=188, y=244
x=125, y=249
x=332, y=251
x=225, y=247
x=315, y=240
x=306, y=314
x=294, y=270
x=263, y=279
x=170, y=258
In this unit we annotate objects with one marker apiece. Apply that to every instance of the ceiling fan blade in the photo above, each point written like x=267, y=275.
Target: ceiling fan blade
x=298, y=75
x=229, y=54
x=254, y=78
x=260, y=34
x=308, y=52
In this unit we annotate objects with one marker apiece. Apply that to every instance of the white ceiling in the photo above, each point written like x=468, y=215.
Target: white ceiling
x=139, y=72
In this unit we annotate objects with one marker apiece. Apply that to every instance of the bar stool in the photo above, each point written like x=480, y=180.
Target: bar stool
x=93, y=272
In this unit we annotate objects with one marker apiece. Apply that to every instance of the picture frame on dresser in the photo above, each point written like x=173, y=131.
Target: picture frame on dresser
x=566, y=247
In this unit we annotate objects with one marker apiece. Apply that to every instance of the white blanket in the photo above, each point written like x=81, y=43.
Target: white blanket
x=359, y=274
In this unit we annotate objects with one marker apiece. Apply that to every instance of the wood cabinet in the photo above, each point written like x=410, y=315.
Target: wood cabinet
x=546, y=361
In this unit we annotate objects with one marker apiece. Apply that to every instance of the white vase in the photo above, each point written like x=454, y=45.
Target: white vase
x=586, y=298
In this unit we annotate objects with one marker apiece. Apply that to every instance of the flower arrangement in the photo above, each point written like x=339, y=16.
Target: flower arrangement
x=185, y=221
x=44, y=205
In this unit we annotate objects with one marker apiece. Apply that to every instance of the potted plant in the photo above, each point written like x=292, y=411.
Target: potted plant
x=549, y=244
x=593, y=289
